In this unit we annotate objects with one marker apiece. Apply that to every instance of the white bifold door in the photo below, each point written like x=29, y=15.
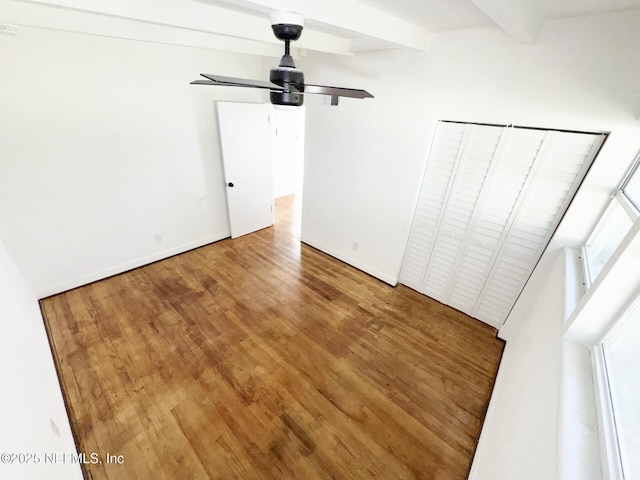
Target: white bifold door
x=244, y=135
x=490, y=200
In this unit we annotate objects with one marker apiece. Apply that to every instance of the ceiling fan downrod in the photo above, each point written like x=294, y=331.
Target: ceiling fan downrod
x=287, y=26
x=286, y=82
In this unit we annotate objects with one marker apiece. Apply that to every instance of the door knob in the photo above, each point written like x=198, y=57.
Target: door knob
x=230, y=184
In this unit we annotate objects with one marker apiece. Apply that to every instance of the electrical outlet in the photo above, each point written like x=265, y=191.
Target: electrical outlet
x=8, y=29
x=355, y=246
x=158, y=238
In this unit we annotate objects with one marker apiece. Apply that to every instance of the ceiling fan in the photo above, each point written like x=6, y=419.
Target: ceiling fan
x=286, y=82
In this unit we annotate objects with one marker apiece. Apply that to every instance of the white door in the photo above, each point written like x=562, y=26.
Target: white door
x=244, y=134
x=491, y=199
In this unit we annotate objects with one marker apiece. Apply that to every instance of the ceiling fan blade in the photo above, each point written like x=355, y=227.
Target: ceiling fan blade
x=337, y=91
x=204, y=82
x=220, y=84
x=236, y=82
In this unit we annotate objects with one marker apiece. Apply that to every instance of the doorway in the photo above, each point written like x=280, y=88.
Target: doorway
x=287, y=128
x=263, y=157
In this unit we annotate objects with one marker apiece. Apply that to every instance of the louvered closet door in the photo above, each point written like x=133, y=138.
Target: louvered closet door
x=562, y=163
x=490, y=200
x=438, y=179
x=455, y=240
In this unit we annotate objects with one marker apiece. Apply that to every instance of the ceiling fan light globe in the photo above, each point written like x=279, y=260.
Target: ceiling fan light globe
x=287, y=108
x=287, y=26
x=286, y=18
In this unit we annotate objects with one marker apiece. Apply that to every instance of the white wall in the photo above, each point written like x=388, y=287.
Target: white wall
x=287, y=149
x=364, y=161
x=519, y=438
x=32, y=412
x=105, y=146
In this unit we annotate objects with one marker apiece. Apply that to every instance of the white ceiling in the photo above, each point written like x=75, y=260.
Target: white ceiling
x=435, y=15
x=442, y=15
x=336, y=26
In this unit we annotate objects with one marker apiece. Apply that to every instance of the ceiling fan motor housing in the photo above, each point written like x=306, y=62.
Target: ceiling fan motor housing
x=292, y=80
x=286, y=31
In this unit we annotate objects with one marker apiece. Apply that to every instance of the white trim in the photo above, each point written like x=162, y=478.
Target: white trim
x=585, y=250
x=609, y=448
x=586, y=269
x=578, y=436
x=631, y=202
x=593, y=321
x=629, y=208
x=493, y=413
x=617, y=199
x=391, y=280
x=627, y=312
x=617, y=282
x=630, y=173
x=123, y=267
x=574, y=279
x=606, y=213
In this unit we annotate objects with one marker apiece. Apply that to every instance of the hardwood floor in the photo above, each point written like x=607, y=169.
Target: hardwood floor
x=261, y=358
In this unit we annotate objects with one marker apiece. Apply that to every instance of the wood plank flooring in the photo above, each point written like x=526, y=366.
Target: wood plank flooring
x=261, y=358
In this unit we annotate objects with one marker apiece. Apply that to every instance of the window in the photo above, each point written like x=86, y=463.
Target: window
x=608, y=234
x=617, y=355
x=613, y=226
x=631, y=186
x=618, y=376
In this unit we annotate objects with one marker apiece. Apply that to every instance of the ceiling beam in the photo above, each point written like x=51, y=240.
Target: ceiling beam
x=518, y=18
x=348, y=16
x=74, y=21
x=201, y=25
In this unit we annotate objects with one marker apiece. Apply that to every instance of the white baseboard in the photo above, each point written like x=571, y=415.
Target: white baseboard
x=393, y=281
x=115, y=270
